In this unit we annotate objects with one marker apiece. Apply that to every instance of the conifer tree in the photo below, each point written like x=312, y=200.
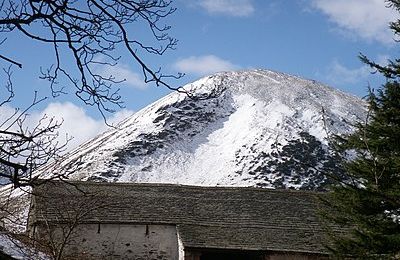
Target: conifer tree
x=368, y=200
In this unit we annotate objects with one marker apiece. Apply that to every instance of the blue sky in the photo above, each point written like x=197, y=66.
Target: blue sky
x=314, y=39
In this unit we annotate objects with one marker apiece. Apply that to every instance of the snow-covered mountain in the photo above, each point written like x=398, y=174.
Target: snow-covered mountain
x=246, y=128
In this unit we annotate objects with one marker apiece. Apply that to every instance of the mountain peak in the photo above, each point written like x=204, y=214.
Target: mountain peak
x=245, y=128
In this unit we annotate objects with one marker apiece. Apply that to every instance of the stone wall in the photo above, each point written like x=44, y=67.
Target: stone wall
x=119, y=241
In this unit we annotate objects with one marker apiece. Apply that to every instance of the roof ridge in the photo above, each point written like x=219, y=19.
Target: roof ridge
x=148, y=184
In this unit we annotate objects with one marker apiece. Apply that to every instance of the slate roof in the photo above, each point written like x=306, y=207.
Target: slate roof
x=206, y=217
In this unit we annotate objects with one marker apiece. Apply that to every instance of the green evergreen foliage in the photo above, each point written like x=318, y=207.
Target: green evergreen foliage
x=368, y=199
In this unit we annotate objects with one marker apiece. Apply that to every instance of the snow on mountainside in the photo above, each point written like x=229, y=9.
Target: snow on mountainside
x=256, y=128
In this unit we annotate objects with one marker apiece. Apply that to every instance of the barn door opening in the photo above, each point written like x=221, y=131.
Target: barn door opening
x=231, y=255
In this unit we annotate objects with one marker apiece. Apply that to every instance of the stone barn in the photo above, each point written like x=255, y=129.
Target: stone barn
x=86, y=220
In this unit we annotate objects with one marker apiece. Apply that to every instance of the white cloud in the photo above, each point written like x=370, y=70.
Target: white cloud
x=336, y=74
x=123, y=72
x=239, y=8
x=118, y=116
x=203, y=65
x=5, y=113
x=76, y=122
x=368, y=19
x=383, y=60
x=340, y=74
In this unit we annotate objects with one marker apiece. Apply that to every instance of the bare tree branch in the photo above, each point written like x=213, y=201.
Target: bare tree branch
x=91, y=30
x=92, y=33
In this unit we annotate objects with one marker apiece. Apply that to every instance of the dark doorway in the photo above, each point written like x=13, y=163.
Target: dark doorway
x=231, y=255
